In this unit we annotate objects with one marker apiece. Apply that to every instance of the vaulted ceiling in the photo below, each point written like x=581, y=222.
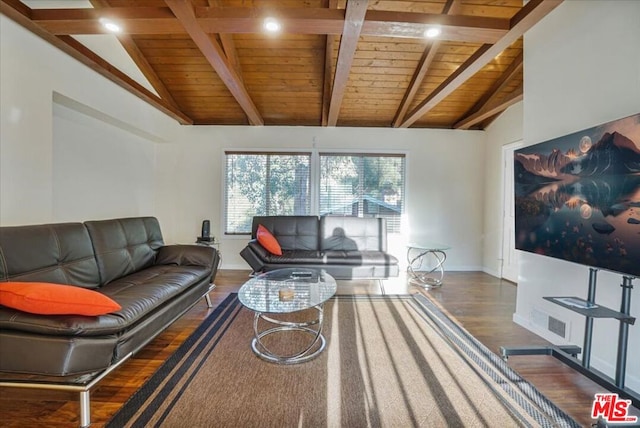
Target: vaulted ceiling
x=332, y=63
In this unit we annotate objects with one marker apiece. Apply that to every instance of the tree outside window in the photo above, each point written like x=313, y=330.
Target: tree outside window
x=265, y=184
x=362, y=185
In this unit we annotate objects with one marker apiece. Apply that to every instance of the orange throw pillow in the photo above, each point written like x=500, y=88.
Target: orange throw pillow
x=268, y=241
x=44, y=298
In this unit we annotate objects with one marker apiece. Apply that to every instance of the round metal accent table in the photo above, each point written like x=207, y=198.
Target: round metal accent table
x=285, y=291
x=425, y=253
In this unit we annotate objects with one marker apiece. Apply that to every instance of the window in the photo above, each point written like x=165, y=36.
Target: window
x=363, y=185
x=264, y=184
x=354, y=184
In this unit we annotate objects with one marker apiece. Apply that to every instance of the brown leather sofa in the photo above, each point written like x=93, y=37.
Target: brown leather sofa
x=345, y=247
x=126, y=260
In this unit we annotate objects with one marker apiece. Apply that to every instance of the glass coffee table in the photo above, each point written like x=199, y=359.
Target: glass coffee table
x=286, y=291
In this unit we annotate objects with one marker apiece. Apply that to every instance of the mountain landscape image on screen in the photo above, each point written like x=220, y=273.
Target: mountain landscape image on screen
x=577, y=197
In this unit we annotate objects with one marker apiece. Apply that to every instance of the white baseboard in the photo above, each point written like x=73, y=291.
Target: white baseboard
x=461, y=268
x=631, y=382
x=545, y=334
x=234, y=266
x=491, y=272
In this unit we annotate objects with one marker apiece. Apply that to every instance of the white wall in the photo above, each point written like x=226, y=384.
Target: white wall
x=444, y=181
x=32, y=73
x=506, y=129
x=47, y=171
x=99, y=170
x=582, y=68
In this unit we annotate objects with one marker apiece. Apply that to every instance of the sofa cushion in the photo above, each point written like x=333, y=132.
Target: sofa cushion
x=123, y=246
x=292, y=232
x=268, y=241
x=297, y=256
x=138, y=294
x=60, y=253
x=358, y=258
x=353, y=233
x=54, y=299
x=143, y=292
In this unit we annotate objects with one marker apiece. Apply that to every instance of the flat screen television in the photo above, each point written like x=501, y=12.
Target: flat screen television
x=577, y=197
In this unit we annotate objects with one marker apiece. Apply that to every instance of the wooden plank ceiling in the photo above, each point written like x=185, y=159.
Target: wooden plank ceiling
x=333, y=62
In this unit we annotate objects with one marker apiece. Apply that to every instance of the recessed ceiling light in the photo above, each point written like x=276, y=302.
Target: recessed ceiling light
x=110, y=25
x=432, y=32
x=271, y=25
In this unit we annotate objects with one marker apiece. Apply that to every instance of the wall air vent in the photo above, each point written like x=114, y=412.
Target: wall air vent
x=558, y=327
x=545, y=321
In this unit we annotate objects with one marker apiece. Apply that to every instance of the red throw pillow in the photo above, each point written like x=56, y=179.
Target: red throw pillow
x=268, y=241
x=55, y=299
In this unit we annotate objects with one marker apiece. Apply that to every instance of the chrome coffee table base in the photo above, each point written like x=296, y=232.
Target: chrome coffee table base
x=297, y=337
x=317, y=341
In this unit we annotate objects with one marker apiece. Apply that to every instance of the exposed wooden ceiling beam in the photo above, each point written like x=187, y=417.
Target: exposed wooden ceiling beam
x=491, y=109
x=228, y=45
x=292, y=20
x=459, y=28
x=215, y=56
x=159, y=20
x=421, y=71
x=354, y=17
x=329, y=21
x=15, y=10
x=134, y=20
x=526, y=18
x=147, y=70
x=509, y=74
x=491, y=94
x=327, y=77
x=98, y=64
x=423, y=66
x=376, y=23
x=21, y=14
x=139, y=59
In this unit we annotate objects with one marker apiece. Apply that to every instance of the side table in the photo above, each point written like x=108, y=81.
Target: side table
x=215, y=245
x=211, y=243
x=419, y=254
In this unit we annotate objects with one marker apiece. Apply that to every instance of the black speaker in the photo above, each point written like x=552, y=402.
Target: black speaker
x=206, y=231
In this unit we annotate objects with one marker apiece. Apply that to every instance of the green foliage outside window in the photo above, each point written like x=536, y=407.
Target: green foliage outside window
x=265, y=184
x=363, y=185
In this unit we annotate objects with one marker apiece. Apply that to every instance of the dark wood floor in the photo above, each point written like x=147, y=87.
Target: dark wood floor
x=484, y=305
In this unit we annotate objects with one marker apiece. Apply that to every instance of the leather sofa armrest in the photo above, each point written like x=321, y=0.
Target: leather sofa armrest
x=254, y=254
x=258, y=249
x=186, y=255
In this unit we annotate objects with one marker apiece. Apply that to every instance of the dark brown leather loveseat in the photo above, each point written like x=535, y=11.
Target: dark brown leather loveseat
x=126, y=260
x=345, y=247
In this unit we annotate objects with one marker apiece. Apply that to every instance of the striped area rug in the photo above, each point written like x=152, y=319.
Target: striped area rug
x=390, y=361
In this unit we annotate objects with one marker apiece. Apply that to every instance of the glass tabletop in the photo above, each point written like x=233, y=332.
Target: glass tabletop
x=301, y=289
x=434, y=246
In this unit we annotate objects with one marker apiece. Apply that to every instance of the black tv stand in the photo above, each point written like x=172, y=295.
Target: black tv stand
x=591, y=310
